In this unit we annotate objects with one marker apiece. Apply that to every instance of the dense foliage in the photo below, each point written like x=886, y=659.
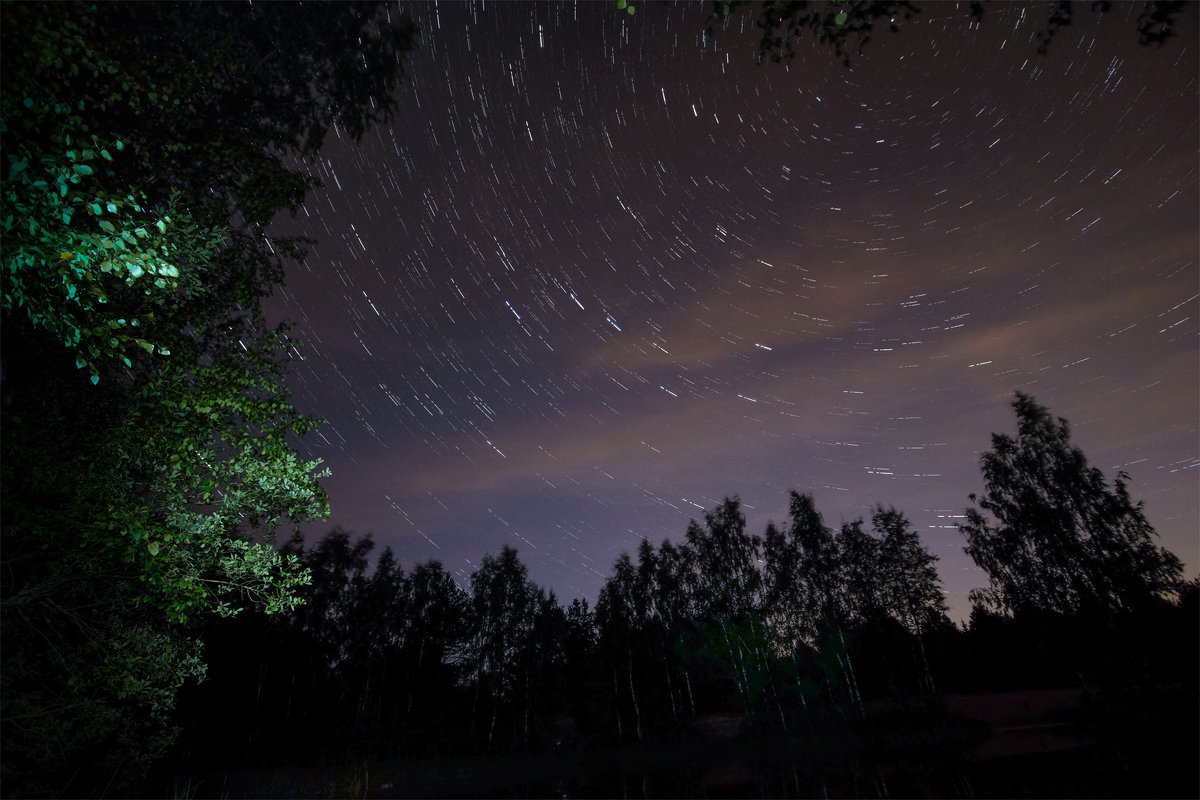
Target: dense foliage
x=146, y=454
x=846, y=26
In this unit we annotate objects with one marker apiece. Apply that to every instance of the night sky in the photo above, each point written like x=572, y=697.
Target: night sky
x=601, y=272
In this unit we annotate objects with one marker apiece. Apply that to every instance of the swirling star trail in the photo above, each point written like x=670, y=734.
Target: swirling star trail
x=603, y=270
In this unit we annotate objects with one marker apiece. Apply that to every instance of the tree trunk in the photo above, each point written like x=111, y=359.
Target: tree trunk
x=851, y=680
x=670, y=688
x=617, y=707
x=528, y=703
x=475, y=701
x=799, y=685
x=928, y=673
x=637, y=712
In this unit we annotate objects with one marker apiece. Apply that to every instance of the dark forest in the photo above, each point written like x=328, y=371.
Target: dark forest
x=805, y=662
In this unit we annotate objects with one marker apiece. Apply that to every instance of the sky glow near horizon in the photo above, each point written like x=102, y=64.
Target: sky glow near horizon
x=602, y=271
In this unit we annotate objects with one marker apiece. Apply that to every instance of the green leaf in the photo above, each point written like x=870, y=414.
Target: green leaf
x=153, y=548
x=107, y=226
x=112, y=209
x=104, y=154
x=841, y=18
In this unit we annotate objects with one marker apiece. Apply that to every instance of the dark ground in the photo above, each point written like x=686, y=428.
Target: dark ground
x=1048, y=743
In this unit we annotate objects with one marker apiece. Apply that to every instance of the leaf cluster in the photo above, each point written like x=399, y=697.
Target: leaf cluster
x=848, y=25
x=148, y=456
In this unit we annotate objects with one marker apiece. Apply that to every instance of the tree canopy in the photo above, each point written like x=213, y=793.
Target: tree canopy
x=147, y=451
x=848, y=25
x=1051, y=534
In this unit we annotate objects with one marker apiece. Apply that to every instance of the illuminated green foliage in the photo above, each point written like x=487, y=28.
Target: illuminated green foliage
x=148, y=449
x=74, y=238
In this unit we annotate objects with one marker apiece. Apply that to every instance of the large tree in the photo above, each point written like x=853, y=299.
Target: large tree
x=620, y=624
x=503, y=610
x=1052, y=534
x=147, y=457
x=801, y=574
x=909, y=585
x=727, y=561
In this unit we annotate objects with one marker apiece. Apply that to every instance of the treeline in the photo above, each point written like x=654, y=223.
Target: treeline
x=379, y=662
x=827, y=648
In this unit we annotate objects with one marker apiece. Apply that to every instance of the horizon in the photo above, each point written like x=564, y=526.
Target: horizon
x=602, y=271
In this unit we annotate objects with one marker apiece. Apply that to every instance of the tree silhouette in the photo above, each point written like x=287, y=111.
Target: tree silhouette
x=910, y=586
x=839, y=23
x=1052, y=535
x=860, y=591
x=619, y=626
x=675, y=613
x=503, y=607
x=727, y=562
x=386, y=663
x=433, y=631
x=801, y=568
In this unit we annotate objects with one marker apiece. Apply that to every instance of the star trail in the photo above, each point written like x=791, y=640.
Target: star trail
x=603, y=270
